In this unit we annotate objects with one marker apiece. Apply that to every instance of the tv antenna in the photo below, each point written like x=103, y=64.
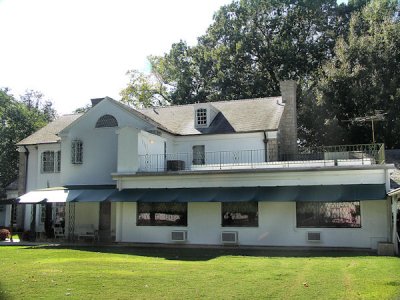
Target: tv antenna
x=377, y=117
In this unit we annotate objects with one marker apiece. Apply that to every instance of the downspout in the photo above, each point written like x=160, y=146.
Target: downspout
x=26, y=167
x=33, y=212
x=265, y=146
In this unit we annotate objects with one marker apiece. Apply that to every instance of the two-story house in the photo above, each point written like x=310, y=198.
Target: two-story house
x=215, y=173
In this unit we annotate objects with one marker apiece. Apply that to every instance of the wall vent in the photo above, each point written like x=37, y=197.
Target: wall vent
x=179, y=236
x=313, y=236
x=229, y=237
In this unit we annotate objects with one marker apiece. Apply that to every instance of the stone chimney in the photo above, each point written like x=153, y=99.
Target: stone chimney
x=288, y=124
x=96, y=101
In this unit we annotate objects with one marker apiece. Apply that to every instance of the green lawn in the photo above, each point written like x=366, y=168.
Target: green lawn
x=155, y=273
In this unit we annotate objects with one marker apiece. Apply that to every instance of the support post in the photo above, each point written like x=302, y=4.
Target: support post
x=71, y=221
x=394, y=225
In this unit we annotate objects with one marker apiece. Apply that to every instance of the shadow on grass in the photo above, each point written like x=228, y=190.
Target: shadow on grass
x=3, y=293
x=204, y=254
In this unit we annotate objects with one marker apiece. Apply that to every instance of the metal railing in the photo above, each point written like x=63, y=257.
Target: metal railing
x=342, y=155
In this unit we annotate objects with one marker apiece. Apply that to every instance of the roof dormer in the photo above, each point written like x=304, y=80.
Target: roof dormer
x=204, y=114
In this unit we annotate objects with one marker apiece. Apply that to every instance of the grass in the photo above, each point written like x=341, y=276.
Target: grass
x=156, y=273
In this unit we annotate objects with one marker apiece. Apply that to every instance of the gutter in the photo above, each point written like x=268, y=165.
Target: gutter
x=26, y=167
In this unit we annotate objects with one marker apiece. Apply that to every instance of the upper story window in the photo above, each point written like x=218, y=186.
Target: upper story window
x=51, y=162
x=106, y=121
x=58, y=161
x=77, y=152
x=201, y=117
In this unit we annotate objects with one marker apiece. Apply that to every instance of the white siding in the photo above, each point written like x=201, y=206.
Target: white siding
x=100, y=146
x=333, y=176
x=277, y=227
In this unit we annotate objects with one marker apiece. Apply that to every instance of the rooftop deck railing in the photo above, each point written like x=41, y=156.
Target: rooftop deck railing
x=342, y=155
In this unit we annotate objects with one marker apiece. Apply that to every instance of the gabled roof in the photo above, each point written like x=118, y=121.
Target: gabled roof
x=48, y=133
x=125, y=107
x=249, y=115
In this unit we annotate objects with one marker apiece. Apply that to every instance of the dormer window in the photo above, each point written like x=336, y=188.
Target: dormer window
x=201, y=117
x=204, y=114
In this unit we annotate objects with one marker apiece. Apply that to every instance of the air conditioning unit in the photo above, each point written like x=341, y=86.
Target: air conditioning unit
x=175, y=165
x=313, y=236
x=229, y=237
x=179, y=236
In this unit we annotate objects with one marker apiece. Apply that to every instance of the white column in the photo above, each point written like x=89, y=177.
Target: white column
x=128, y=156
x=394, y=227
x=7, y=219
x=119, y=221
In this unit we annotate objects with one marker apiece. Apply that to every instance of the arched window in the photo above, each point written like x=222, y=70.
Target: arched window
x=106, y=121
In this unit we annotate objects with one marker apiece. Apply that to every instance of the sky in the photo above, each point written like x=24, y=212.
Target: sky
x=75, y=50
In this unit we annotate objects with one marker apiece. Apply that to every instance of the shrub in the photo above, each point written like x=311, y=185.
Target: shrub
x=4, y=234
x=28, y=236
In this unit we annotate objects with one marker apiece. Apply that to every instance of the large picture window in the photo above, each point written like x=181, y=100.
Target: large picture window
x=161, y=214
x=240, y=214
x=328, y=214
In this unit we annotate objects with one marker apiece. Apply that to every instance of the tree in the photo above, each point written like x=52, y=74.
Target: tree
x=362, y=77
x=18, y=119
x=247, y=50
x=144, y=90
x=83, y=109
x=34, y=100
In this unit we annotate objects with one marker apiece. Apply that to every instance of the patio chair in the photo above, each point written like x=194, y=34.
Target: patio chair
x=59, y=232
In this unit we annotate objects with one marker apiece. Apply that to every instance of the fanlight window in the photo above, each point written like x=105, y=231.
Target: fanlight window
x=106, y=121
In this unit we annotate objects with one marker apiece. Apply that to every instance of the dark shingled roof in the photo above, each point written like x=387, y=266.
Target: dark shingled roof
x=48, y=134
x=261, y=114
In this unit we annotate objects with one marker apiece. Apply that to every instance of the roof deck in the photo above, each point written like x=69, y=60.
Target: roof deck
x=327, y=156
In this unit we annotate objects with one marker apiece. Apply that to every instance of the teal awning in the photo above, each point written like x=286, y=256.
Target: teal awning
x=325, y=193
x=321, y=193
x=97, y=195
